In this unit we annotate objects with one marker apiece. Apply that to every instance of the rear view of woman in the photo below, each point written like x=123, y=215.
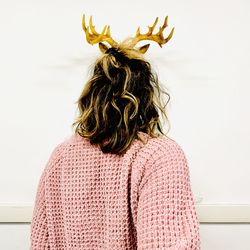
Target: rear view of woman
x=116, y=183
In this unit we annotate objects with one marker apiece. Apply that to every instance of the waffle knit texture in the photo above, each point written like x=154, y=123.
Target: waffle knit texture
x=88, y=200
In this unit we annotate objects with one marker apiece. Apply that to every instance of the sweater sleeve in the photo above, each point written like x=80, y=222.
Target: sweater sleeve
x=167, y=217
x=38, y=228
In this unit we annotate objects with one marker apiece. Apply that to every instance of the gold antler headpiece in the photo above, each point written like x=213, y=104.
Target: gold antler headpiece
x=96, y=37
x=158, y=37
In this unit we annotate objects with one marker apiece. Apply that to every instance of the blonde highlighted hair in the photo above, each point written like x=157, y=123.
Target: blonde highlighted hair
x=121, y=98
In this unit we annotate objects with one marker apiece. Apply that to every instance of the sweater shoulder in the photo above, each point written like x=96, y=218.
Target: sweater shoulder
x=57, y=154
x=168, y=148
x=163, y=153
x=164, y=147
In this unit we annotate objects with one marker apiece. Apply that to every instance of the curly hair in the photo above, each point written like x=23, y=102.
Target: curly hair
x=119, y=100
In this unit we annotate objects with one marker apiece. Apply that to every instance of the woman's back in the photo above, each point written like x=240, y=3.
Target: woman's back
x=88, y=200
x=105, y=187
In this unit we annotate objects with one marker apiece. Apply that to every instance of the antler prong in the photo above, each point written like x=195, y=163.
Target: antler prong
x=92, y=27
x=138, y=31
x=169, y=36
x=165, y=23
x=108, y=31
x=83, y=23
x=151, y=29
x=99, y=36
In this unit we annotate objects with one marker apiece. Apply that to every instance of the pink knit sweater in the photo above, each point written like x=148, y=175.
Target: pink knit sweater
x=88, y=200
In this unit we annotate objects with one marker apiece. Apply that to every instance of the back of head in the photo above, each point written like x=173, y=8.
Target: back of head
x=121, y=98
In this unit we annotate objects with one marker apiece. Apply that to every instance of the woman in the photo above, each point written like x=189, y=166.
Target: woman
x=115, y=183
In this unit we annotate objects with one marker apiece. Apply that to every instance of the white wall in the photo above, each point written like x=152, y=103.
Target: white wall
x=45, y=61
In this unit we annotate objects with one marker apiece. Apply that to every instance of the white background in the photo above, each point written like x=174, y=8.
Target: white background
x=45, y=62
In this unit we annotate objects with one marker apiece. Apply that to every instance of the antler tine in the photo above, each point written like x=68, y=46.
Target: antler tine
x=162, y=28
x=92, y=27
x=95, y=37
x=151, y=29
x=158, y=37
